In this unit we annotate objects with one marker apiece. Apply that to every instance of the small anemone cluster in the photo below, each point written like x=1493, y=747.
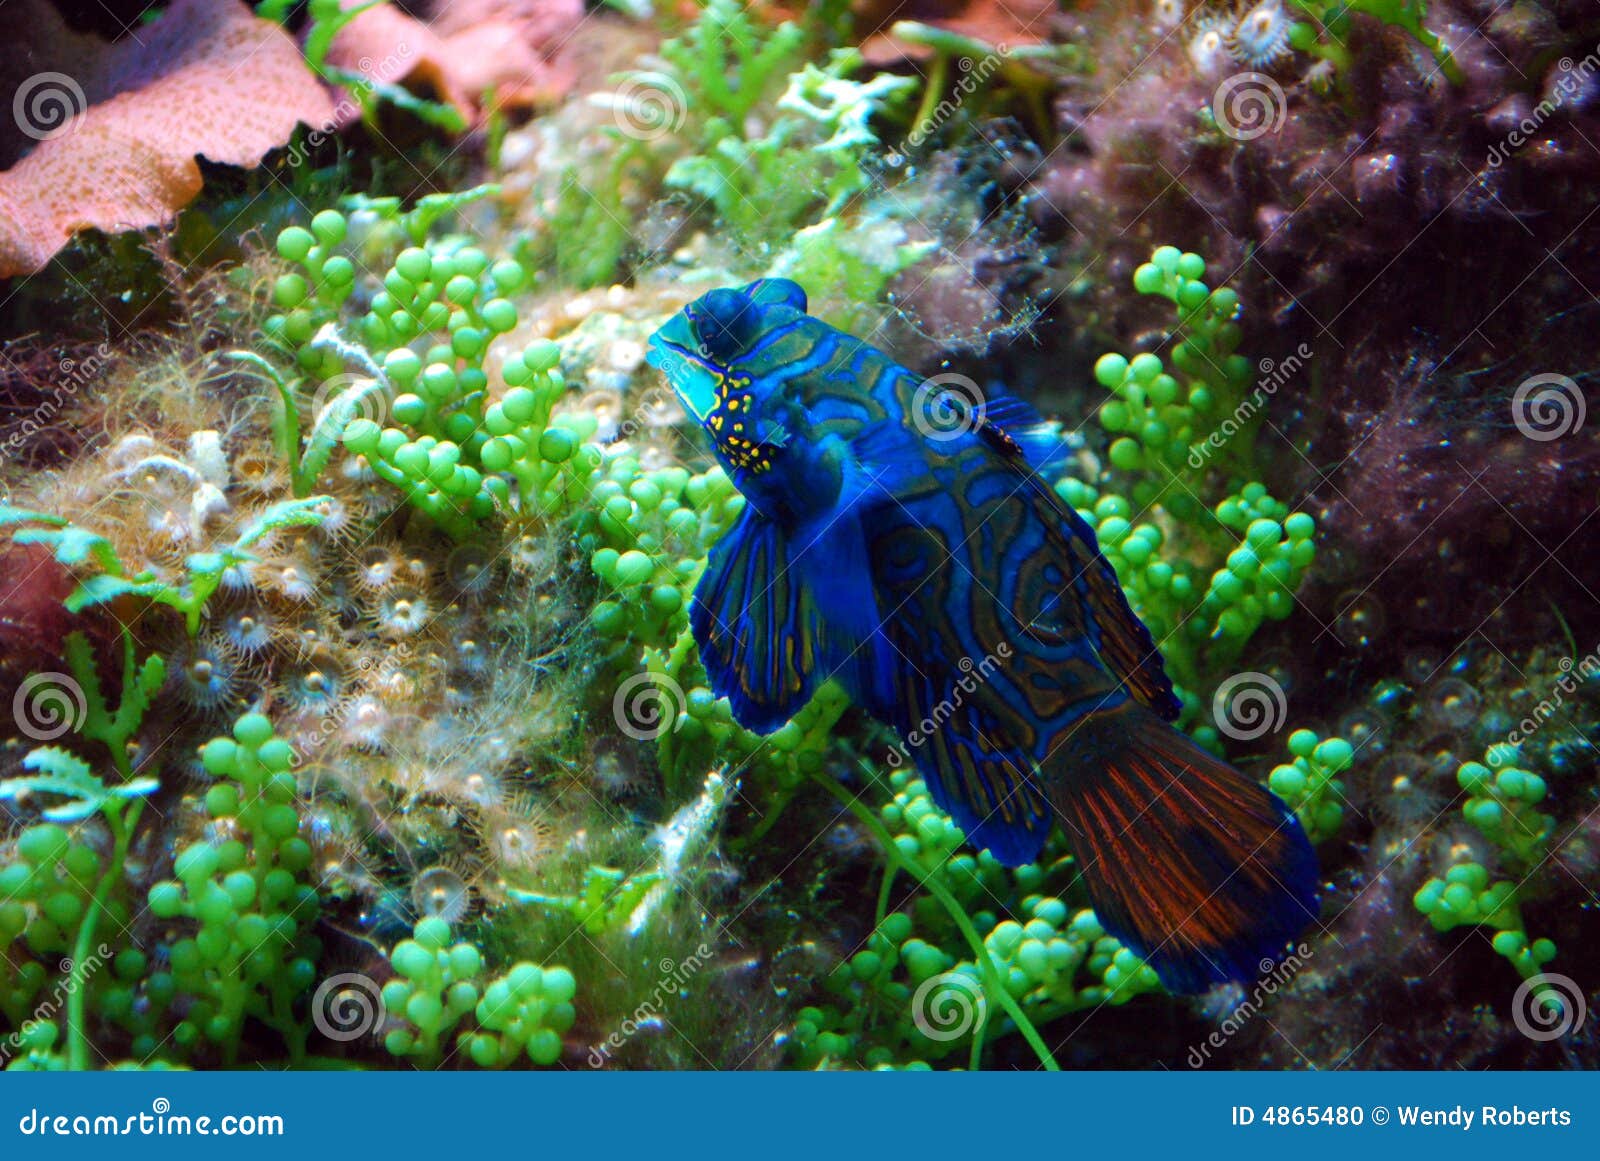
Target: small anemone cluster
x=407, y=679
x=1412, y=732
x=1416, y=734
x=1250, y=36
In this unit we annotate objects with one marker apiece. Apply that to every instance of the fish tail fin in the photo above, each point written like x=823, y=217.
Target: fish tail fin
x=1191, y=864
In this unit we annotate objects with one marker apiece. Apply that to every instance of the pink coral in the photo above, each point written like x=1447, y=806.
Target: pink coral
x=116, y=128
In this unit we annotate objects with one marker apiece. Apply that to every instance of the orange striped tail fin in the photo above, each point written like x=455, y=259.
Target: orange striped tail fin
x=1192, y=865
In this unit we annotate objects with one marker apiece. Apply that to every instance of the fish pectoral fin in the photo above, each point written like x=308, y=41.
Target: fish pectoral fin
x=887, y=460
x=778, y=613
x=944, y=712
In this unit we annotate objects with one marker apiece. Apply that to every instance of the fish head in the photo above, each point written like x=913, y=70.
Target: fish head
x=705, y=351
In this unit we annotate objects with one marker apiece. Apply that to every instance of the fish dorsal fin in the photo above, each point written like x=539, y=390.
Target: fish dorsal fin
x=777, y=613
x=1020, y=429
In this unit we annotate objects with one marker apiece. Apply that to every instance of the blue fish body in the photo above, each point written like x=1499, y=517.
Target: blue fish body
x=899, y=538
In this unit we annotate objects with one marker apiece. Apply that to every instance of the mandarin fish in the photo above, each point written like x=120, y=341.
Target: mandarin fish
x=902, y=557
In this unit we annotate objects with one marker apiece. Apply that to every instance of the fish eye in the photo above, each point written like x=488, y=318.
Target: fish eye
x=725, y=322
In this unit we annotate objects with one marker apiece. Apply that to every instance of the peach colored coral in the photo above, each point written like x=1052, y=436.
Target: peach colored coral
x=466, y=48
x=207, y=79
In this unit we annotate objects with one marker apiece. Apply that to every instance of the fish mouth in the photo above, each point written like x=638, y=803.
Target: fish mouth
x=694, y=379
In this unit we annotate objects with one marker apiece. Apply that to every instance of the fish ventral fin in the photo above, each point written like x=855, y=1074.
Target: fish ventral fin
x=971, y=768
x=1203, y=872
x=778, y=612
